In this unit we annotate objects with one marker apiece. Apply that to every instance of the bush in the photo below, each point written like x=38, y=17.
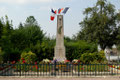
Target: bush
x=96, y=57
x=28, y=57
x=1, y=56
x=87, y=57
x=74, y=50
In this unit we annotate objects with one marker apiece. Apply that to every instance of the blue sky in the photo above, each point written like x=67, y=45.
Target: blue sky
x=19, y=10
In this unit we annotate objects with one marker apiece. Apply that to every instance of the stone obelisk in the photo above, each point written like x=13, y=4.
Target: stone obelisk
x=59, y=52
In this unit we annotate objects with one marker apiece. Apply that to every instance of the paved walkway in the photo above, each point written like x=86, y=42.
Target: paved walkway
x=60, y=78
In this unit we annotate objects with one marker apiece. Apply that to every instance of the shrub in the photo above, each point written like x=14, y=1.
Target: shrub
x=74, y=50
x=96, y=57
x=87, y=57
x=28, y=57
x=1, y=58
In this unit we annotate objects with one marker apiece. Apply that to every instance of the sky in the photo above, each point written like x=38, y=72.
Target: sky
x=19, y=10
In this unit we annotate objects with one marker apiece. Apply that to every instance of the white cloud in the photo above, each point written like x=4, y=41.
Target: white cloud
x=30, y=1
x=3, y=11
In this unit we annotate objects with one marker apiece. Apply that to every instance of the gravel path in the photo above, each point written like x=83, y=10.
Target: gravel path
x=60, y=78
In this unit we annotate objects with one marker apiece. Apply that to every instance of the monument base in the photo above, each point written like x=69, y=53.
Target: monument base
x=59, y=59
x=60, y=53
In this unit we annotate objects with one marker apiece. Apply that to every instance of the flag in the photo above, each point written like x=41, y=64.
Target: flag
x=65, y=10
x=52, y=11
x=55, y=11
x=52, y=18
x=60, y=10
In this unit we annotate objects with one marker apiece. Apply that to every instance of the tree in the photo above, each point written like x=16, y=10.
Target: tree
x=5, y=40
x=31, y=21
x=1, y=28
x=99, y=25
x=20, y=26
x=27, y=35
x=118, y=36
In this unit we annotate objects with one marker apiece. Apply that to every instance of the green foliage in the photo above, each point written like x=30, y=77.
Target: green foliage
x=99, y=24
x=96, y=57
x=1, y=56
x=15, y=41
x=11, y=54
x=27, y=37
x=31, y=21
x=74, y=50
x=45, y=49
x=29, y=57
x=118, y=37
x=5, y=37
x=118, y=47
x=1, y=28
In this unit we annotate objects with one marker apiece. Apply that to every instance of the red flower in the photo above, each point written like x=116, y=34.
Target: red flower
x=33, y=66
x=35, y=62
x=109, y=65
x=24, y=61
x=13, y=62
x=15, y=67
x=79, y=61
x=67, y=61
x=36, y=67
x=22, y=58
x=82, y=68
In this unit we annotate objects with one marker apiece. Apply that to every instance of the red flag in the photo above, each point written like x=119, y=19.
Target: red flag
x=52, y=18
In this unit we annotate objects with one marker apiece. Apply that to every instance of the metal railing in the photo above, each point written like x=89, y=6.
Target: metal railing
x=59, y=69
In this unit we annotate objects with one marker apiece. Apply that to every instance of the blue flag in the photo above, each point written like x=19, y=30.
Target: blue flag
x=53, y=11
x=65, y=10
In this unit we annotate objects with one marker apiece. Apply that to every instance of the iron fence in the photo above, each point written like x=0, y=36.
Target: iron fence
x=59, y=69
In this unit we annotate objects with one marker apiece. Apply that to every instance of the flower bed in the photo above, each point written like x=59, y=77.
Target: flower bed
x=115, y=66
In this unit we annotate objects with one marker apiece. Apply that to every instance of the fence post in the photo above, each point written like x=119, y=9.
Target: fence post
x=112, y=68
x=20, y=69
x=95, y=69
x=78, y=69
x=55, y=67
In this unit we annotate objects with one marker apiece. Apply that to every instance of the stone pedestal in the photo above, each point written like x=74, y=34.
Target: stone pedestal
x=59, y=52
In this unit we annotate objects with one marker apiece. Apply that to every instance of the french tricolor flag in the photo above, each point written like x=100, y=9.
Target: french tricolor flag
x=59, y=11
x=52, y=17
